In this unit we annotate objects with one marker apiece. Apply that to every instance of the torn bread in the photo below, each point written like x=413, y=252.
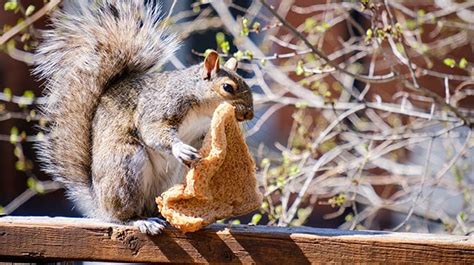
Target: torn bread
x=220, y=185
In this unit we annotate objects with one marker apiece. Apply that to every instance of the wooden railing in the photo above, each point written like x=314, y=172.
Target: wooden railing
x=26, y=239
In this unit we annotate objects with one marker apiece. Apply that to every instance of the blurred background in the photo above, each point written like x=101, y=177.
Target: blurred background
x=365, y=108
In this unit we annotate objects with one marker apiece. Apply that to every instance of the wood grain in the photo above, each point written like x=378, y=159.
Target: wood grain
x=50, y=239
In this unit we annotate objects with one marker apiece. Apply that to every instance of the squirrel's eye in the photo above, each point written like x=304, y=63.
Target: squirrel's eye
x=228, y=88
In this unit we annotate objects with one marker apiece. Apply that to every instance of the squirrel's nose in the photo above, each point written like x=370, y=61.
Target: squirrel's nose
x=248, y=115
x=242, y=116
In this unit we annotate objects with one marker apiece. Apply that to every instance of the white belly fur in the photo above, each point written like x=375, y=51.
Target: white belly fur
x=163, y=171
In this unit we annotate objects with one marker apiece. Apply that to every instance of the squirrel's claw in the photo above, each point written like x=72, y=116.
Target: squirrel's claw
x=185, y=153
x=150, y=226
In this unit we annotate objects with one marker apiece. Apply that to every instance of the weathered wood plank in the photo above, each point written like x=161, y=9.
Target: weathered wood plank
x=41, y=238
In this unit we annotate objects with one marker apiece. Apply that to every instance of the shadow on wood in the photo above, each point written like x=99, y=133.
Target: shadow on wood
x=52, y=239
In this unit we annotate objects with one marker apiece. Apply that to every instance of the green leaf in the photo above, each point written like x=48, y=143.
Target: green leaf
x=411, y=24
x=245, y=22
x=463, y=63
x=265, y=162
x=256, y=218
x=31, y=183
x=303, y=213
x=349, y=217
x=29, y=10
x=449, y=62
x=421, y=13
x=26, y=99
x=368, y=35
x=238, y=55
x=245, y=27
x=29, y=94
x=256, y=26
x=380, y=33
x=320, y=29
x=293, y=170
x=220, y=37
x=398, y=27
x=20, y=165
x=18, y=152
x=11, y=44
x=225, y=47
x=400, y=48
x=8, y=93
x=299, y=68
x=305, y=82
x=278, y=209
x=236, y=222
x=325, y=25
x=309, y=24
x=462, y=216
x=14, y=135
x=6, y=27
x=20, y=21
x=248, y=54
x=280, y=182
x=34, y=185
x=10, y=6
x=337, y=200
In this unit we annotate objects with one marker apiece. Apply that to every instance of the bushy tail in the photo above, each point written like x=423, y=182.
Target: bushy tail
x=90, y=43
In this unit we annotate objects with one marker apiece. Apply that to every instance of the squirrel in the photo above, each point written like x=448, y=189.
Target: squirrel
x=120, y=131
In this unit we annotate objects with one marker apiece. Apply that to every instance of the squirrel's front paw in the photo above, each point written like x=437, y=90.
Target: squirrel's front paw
x=185, y=153
x=150, y=226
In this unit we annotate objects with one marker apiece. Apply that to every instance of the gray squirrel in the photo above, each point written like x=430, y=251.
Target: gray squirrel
x=120, y=132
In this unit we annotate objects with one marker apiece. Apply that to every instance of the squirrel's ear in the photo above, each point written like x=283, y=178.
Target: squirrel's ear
x=211, y=64
x=231, y=64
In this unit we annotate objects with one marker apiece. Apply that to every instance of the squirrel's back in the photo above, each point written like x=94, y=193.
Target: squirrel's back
x=91, y=45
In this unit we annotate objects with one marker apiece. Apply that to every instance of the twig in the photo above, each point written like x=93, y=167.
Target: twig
x=28, y=21
x=375, y=79
x=333, y=124
x=415, y=85
x=418, y=195
x=47, y=186
x=22, y=100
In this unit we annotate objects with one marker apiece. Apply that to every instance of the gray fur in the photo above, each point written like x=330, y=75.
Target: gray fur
x=115, y=120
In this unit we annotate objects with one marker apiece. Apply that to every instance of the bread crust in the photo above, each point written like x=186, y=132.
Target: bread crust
x=220, y=185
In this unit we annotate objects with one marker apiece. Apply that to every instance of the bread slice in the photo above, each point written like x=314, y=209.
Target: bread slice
x=220, y=185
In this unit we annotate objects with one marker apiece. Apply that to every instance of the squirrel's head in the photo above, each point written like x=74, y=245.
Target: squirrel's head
x=228, y=85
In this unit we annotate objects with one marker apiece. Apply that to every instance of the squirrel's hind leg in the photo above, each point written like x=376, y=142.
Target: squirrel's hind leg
x=121, y=182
